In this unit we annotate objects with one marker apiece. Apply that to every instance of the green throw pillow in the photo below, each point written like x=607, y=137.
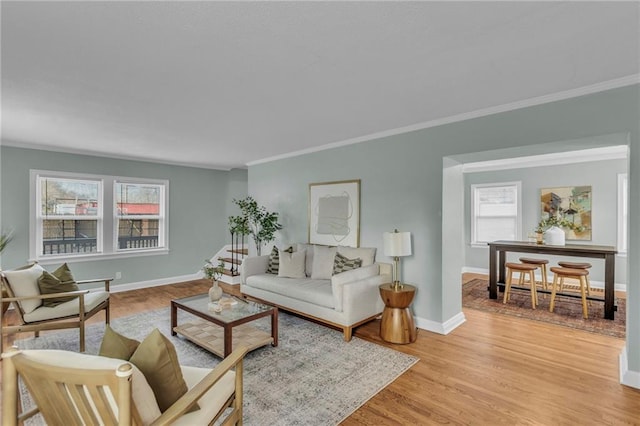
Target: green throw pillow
x=60, y=281
x=343, y=264
x=157, y=359
x=115, y=345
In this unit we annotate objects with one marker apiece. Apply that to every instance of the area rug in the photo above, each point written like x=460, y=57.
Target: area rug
x=313, y=377
x=567, y=311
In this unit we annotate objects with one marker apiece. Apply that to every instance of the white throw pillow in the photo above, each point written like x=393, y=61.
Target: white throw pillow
x=323, y=257
x=308, y=268
x=292, y=264
x=24, y=282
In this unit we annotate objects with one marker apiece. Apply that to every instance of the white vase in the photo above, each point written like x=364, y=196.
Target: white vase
x=554, y=236
x=215, y=292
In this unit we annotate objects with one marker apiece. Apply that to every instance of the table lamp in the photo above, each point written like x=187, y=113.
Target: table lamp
x=397, y=244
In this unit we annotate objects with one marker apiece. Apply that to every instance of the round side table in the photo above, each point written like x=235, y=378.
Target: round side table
x=397, y=324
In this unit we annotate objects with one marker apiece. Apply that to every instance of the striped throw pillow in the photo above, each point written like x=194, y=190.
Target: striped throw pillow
x=343, y=264
x=274, y=260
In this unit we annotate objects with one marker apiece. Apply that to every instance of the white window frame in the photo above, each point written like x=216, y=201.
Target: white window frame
x=623, y=210
x=474, y=208
x=107, y=241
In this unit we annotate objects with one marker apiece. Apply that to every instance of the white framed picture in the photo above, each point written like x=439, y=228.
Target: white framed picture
x=334, y=213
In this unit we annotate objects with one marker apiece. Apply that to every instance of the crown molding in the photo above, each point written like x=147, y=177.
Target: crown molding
x=558, y=96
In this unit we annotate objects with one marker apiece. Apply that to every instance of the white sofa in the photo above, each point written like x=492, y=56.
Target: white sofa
x=343, y=300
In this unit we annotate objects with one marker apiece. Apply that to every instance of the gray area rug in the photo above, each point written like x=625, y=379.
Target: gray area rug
x=313, y=377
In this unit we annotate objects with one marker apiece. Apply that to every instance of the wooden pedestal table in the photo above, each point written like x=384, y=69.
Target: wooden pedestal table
x=397, y=324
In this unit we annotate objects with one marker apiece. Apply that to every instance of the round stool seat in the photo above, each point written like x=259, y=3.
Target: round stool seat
x=574, y=265
x=520, y=266
x=569, y=272
x=534, y=261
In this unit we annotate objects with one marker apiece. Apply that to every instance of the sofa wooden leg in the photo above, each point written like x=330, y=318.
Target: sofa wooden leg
x=347, y=334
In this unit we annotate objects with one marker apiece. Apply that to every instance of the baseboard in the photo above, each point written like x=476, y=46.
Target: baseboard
x=116, y=288
x=628, y=377
x=594, y=284
x=438, y=327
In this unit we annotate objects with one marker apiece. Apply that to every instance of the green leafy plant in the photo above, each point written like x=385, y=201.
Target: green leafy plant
x=5, y=239
x=212, y=271
x=560, y=222
x=256, y=221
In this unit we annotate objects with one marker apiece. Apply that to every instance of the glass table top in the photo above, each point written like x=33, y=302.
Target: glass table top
x=224, y=310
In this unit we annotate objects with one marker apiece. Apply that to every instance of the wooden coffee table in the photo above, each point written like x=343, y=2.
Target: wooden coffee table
x=219, y=332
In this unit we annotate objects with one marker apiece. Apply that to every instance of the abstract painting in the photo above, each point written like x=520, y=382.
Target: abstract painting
x=571, y=208
x=334, y=213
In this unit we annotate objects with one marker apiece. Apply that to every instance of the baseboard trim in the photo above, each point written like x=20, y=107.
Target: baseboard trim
x=117, y=288
x=628, y=377
x=441, y=327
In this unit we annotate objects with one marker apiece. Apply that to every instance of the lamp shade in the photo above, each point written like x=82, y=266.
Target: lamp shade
x=397, y=243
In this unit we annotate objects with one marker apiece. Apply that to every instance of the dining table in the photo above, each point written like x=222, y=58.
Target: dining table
x=498, y=253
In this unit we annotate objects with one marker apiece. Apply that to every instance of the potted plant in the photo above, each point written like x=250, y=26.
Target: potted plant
x=213, y=273
x=257, y=221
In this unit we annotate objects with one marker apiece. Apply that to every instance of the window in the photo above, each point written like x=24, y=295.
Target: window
x=495, y=212
x=85, y=216
x=622, y=212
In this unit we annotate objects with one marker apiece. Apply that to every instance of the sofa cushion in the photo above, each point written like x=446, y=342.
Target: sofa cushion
x=343, y=264
x=309, y=290
x=367, y=254
x=308, y=267
x=24, y=282
x=292, y=264
x=274, y=259
x=323, y=257
x=338, y=281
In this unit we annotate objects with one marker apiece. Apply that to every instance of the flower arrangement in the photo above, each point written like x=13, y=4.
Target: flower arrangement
x=211, y=271
x=560, y=222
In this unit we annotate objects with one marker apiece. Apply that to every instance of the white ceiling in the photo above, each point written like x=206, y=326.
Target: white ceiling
x=223, y=84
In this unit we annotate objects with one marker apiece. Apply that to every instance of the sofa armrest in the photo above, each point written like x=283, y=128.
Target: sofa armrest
x=361, y=299
x=253, y=265
x=338, y=282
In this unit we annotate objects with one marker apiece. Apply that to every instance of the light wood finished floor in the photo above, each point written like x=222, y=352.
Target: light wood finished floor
x=491, y=370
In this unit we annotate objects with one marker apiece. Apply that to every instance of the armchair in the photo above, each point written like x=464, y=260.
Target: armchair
x=73, y=388
x=22, y=290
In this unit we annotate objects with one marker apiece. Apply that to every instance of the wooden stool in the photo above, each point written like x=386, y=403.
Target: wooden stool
x=577, y=265
x=562, y=273
x=542, y=264
x=397, y=325
x=523, y=268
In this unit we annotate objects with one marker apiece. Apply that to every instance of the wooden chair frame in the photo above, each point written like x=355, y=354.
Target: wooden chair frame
x=73, y=321
x=85, y=395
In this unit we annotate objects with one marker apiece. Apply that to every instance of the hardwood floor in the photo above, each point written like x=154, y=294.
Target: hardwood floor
x=493, y=369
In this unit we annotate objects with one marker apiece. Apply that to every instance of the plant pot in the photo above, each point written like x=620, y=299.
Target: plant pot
x=215, y=292
x=554, y=236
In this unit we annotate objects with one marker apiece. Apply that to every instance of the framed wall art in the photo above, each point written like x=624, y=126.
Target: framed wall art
x=569, y=208
x=334, y=213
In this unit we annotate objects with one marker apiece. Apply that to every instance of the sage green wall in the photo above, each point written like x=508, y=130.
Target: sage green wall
x=198, y=203
x=602, y=176
x=402, y=181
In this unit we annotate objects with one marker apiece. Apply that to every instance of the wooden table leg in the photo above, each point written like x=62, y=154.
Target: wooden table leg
x=228, y=342
x=493, y=275
x=174, y=318
x=274, y=327
x=609, y=286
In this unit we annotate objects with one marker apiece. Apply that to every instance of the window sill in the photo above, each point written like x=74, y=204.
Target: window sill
x=49, y=260
x=479, y=245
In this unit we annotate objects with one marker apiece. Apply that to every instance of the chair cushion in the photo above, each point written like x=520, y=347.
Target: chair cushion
x=50, y=283
x=143, y=396
x=66, y=309
x=115, y=345
x=156, y=357
x=212, y=401
x=24, y=282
